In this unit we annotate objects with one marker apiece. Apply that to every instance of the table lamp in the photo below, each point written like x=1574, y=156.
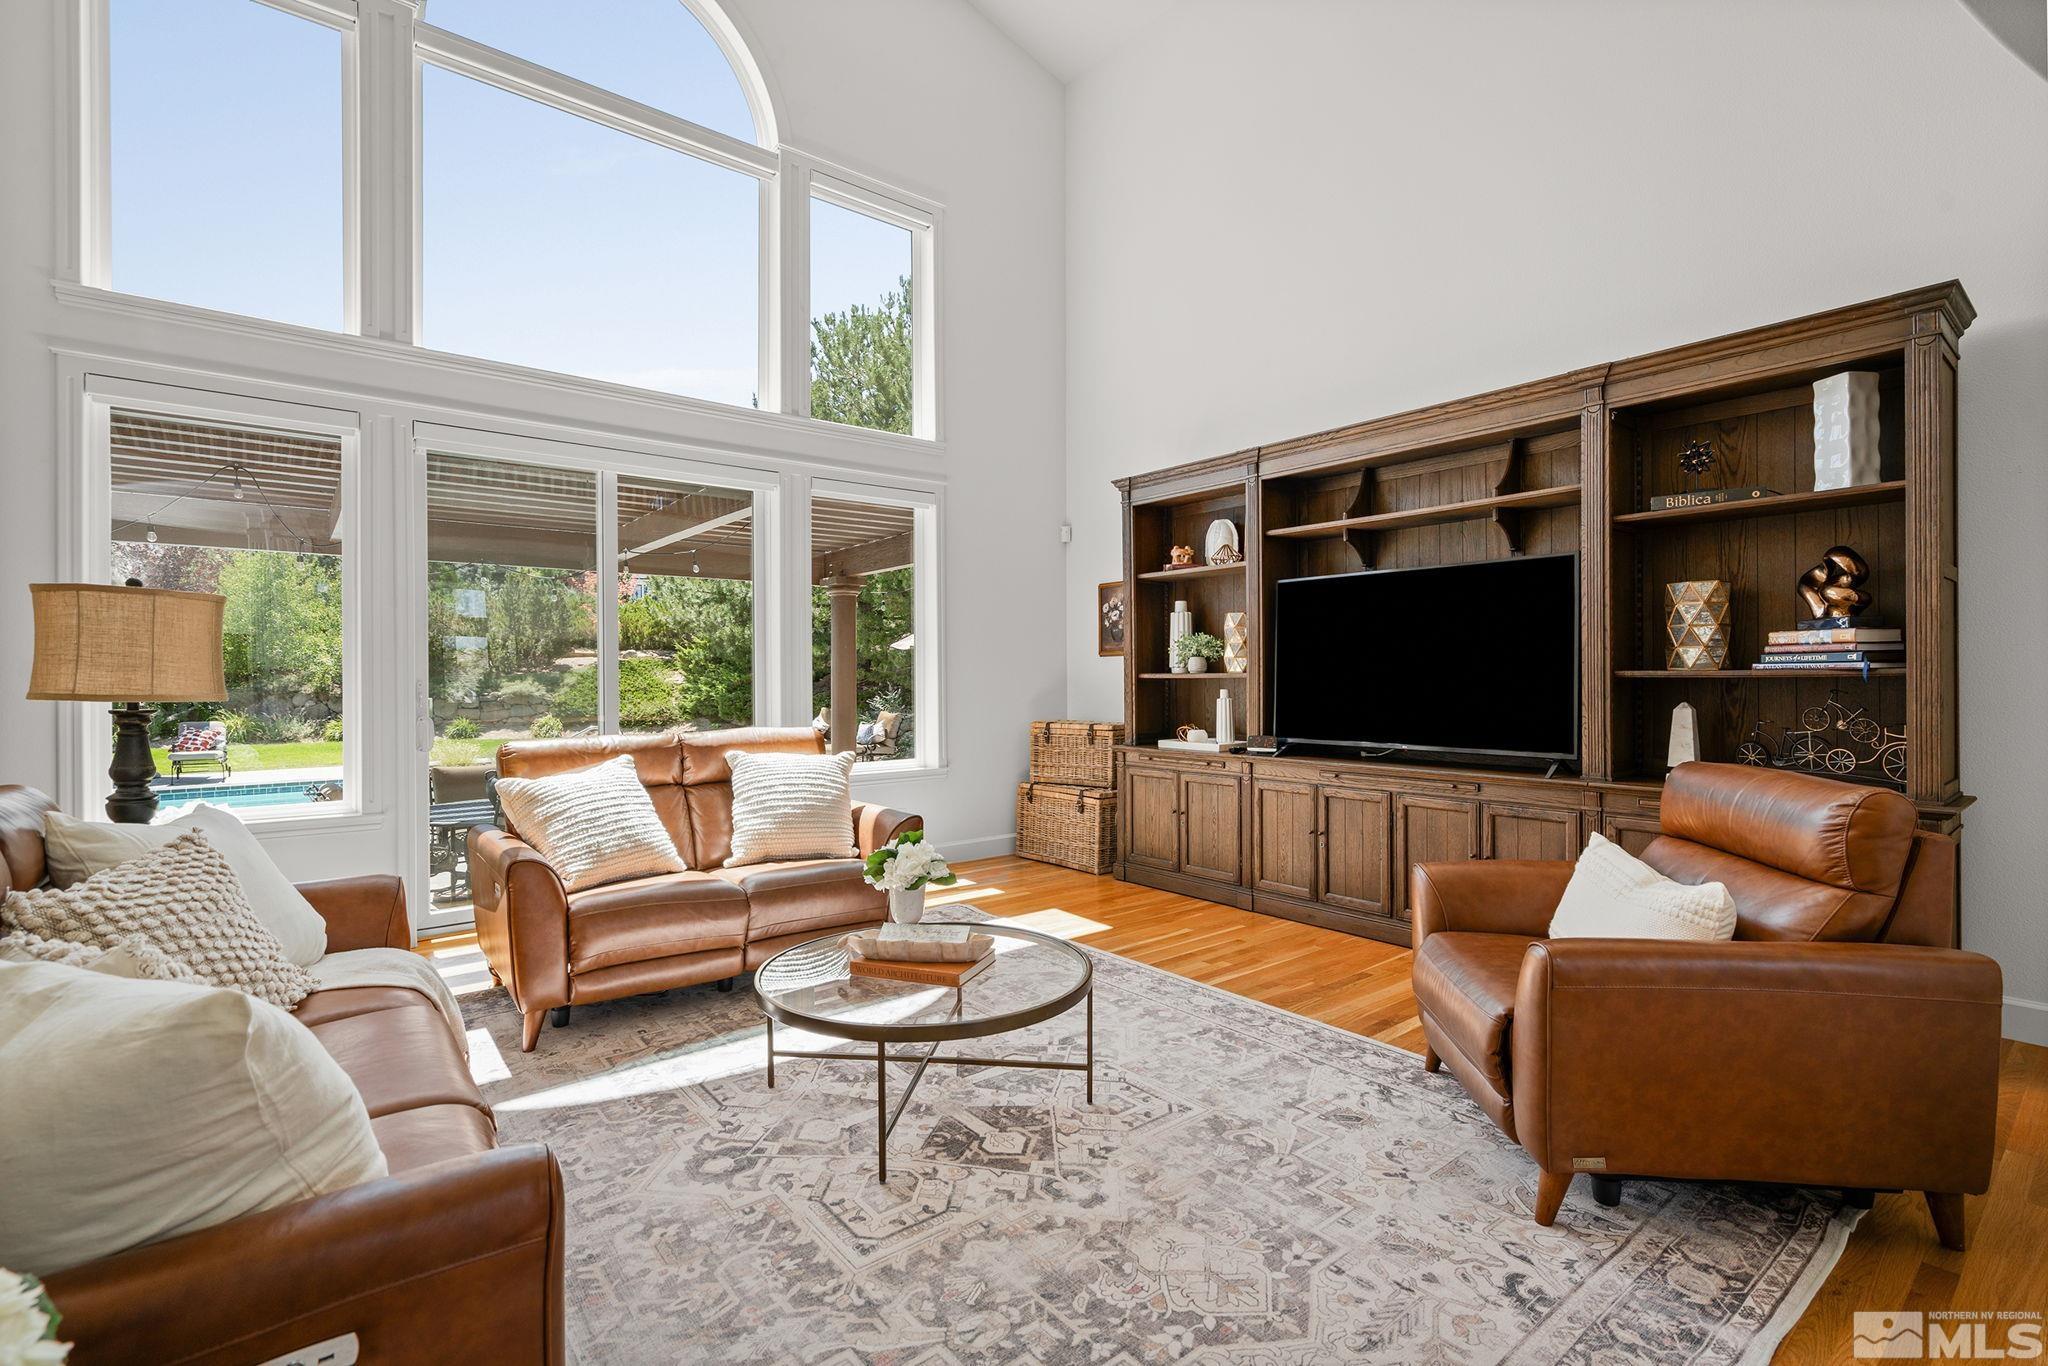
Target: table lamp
x=99, y=643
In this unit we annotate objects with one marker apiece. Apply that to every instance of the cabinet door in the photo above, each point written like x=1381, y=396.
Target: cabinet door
x=1151, y=816
x=1352, y=838
x=1211, y=826
x=1284, y=838
x=1632, y=833
x=1546, y=832
x=1431, y=830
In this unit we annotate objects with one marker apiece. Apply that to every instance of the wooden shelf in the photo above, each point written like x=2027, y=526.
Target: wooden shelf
x=1475, y=509
x=1876, y=671
x=1777, y=505
x=1193, y=572
x=1211, y=676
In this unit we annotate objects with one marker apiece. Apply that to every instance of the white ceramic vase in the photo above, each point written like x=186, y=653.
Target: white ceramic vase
x=906, y=907
x=1845, y=430
x=1197, y=664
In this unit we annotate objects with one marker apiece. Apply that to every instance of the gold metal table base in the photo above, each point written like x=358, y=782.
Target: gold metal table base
x=886, y=1117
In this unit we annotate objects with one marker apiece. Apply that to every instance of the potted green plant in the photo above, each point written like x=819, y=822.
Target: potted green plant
x=1195, y=650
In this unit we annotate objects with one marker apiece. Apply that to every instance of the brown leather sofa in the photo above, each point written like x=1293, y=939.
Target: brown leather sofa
x=455, y=1257
x=1840, y=1039
x=553, y=949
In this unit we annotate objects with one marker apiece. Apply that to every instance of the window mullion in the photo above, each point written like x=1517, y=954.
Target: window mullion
x=608, y=603
x=794, y=283
x=386, y=100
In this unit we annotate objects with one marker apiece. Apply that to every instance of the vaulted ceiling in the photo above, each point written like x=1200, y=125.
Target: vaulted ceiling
x=1069, y=37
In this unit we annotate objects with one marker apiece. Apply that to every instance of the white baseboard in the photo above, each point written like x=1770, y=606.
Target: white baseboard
x=2026, y=1021
x=989, y=846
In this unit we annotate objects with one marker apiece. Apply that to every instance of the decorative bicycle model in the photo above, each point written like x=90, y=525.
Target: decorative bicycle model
x=1832, y=738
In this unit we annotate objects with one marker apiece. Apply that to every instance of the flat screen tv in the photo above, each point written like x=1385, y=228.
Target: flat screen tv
x=1469, y=659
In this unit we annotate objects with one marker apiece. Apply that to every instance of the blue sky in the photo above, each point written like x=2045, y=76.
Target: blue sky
x=547, y=240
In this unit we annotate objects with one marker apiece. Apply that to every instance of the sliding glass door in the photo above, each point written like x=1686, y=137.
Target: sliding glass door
x=565, y=598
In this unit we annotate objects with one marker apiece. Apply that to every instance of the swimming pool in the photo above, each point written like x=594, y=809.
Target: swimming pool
x=241, y=796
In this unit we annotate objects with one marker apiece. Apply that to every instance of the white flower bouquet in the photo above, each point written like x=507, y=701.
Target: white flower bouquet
x=28, y=1323
x=907, y=863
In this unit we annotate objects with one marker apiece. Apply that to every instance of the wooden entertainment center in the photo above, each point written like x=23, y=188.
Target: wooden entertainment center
x=1561, y=464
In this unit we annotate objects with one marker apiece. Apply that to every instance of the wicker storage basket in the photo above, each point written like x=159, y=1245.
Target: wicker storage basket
x=1074, y=827
x=1076, y=753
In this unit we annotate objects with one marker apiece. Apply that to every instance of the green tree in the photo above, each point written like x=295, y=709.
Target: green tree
x=535, y=616
x=861, y=366
x=884, y=676
x=281, y=628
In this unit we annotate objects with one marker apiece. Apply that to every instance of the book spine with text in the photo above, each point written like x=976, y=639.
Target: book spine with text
x=1865, y=635
x=1832, y=657
x=1703, y=498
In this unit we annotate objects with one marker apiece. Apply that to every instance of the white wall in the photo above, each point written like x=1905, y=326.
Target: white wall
x=1288, y=216
x=918, y=93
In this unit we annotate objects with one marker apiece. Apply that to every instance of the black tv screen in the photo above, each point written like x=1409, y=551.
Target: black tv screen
x=1478, y=659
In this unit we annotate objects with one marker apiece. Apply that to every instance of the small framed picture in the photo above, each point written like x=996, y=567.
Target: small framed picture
x=1111, y=614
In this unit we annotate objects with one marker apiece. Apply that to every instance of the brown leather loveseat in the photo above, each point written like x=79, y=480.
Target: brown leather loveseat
x=553, y=949
x=1839, y=1040
x=453, y=1258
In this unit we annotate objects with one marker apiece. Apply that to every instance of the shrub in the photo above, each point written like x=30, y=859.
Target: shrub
x=455, y=753
x=547, y=727
x=241, y=726
x=331, y=732
x=460, y=728
x=522, y=690
x=650, y=694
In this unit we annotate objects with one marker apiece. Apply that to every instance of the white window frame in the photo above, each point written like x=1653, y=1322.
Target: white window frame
x=86, y=552
x=927, y=614
x=385, y=44
x=608, y=461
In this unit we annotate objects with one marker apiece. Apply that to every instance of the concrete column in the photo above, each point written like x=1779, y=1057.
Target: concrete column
x=844, y=590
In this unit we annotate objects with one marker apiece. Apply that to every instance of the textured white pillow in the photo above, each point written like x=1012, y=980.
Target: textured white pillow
x=133, y=956
x=132, y=1111
x=593, y=826
x=791, y=806
x=184, y=900
x=1615, y=895
x=77, y=849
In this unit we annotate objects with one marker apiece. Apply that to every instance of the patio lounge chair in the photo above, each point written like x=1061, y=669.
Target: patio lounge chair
x=879, y=739
x=200, y=742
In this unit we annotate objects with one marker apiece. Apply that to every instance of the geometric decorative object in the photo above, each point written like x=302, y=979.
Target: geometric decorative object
x=1696, y=457
x=1109, y=618
x=1237, y=643
x=1684, y=747
x=97, y=642
x=1696, y=620
x=1221, y=545
x=1834, y=587
x=1845, y=430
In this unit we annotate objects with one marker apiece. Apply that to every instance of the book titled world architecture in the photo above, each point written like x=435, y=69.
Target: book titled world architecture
x=924, y=974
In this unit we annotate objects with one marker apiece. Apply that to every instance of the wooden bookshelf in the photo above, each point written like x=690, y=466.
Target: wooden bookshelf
x=1757, y=675
x=1199, y=571
x=1471, y=509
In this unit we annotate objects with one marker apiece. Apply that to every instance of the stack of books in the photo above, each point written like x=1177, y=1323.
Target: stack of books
x=1832, y=645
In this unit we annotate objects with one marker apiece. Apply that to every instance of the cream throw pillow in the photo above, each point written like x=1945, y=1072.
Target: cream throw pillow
x=593, y=826
x=791, y=806
x=1615, y=895
x=133, y=1111
x=77, y=849
x=182, y=899
x=133, y=956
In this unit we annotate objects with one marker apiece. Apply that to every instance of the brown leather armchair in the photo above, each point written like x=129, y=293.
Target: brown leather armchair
x=1840, y=1039
x=552, y=948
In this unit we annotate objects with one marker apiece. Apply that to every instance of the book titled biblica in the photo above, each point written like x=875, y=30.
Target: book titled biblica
x=1703, y=498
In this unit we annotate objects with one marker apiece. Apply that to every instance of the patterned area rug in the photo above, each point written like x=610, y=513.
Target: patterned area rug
x=1250, y=1187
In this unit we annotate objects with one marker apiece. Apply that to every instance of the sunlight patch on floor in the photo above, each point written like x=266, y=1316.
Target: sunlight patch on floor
x=1055, y=922
x=486, y=1063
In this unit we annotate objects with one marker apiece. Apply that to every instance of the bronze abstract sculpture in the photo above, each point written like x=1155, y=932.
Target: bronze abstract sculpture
x=1834, y=587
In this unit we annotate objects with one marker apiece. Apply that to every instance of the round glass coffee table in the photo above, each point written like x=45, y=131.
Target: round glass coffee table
x=1035, y=977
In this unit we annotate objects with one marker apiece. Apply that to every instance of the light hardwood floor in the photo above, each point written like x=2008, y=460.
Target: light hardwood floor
x=1892, y=1261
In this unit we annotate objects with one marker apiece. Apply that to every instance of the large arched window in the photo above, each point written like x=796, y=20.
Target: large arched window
x=581, y=209
x=593, y=190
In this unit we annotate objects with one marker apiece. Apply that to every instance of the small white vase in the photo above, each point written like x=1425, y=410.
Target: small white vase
x=1197, y=664
x=906, y=907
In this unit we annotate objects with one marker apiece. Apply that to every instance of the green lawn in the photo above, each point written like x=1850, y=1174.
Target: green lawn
x=311, y=754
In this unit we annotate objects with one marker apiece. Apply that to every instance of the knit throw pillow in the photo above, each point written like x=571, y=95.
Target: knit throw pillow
x=1615, y=895
x=593, y=826
x=181, y=899
x=791, y=806
x=130, y=956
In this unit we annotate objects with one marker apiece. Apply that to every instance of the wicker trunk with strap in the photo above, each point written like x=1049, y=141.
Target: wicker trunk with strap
x=1075, y=753
x=1074, y=827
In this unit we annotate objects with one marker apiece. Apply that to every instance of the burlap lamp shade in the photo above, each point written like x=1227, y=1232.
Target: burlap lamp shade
x=100, y=643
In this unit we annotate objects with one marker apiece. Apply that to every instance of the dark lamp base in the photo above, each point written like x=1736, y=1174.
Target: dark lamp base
x=132, y=802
